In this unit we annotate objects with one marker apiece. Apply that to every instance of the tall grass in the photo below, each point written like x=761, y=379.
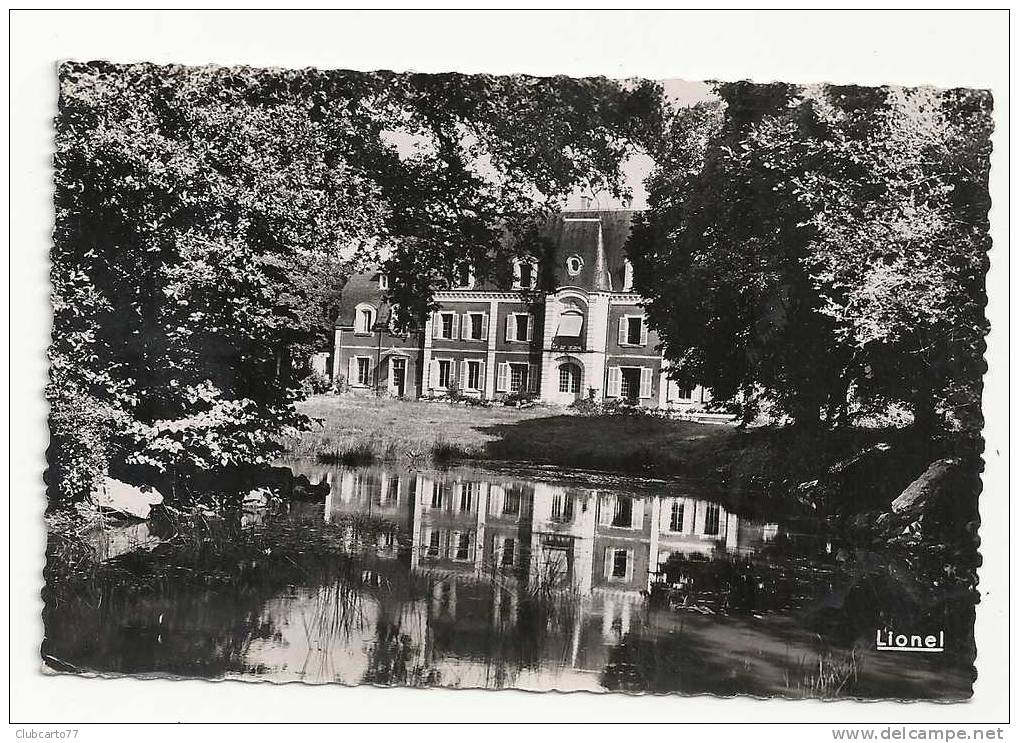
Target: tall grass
x=447, y=452
x=835, y=674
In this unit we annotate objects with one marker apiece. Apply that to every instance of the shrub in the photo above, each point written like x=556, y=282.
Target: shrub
x=520, y=399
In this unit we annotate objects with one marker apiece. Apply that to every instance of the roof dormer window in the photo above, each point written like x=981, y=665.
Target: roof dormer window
x=465, y=276
x=525, y=273
x=627, y=276
x=383, y=282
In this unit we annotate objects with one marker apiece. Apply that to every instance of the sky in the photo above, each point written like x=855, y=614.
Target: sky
x=636, y=169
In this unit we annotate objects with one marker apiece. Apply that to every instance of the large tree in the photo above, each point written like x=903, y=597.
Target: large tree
x=206, y=216
x=823, y=249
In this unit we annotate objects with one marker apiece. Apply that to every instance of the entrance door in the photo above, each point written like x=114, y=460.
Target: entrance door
x=399, y=376
x=569, y=379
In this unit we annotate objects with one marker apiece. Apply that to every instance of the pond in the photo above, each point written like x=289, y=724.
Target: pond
x=507, y=578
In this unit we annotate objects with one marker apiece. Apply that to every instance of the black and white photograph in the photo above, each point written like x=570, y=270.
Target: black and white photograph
x=622, y=384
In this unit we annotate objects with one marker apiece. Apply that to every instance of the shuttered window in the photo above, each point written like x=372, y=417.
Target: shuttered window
x=711, y=518
x=676, y=516
x=445, y=373
x=473, y=375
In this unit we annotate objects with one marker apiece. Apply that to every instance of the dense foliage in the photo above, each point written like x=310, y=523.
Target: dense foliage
x=821, y=251
x=206, y=218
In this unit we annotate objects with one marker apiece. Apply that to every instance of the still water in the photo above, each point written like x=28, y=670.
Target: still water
x=511, y=579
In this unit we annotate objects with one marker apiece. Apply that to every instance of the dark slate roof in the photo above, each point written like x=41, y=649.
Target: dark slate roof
x=360, y=288
x=598, y=238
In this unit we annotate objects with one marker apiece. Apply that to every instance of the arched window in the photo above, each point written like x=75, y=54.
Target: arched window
x=569, y=378
x=364, y=319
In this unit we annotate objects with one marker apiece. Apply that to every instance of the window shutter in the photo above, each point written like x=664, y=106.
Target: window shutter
x=509, y=328
x=622, y=331
x=645, y=381
x=530, y=327
x=608, y=563
x=456, y=324
x=433, y=373
x=607, y=506
x=637, y=514
x=465, y=324
x=484, y=327
x=372, y=370
x=629, y=565
x=643, y=331
x=503, y=381
x=533, y=371
x=464, y=379
x=495, y=500
x=615, y=377
x=436, y=325
x=352, y=371
x=481, y=377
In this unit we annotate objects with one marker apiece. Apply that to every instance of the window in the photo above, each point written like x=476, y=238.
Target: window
x=433, y=548
x=562, y=508
x=570, y=328
x=574, y=265
x=676, y=516
x=462, y=549
x=363, y=371
x=445, y=371
x=383, y=281
x=623, y=513
x=619, y=564
x=675, y=392
x=525, y=271
x=518, y=377
x=711, y=520
x=520, y=327
x=476, y=327
x=633, y=331
x=627, y=276
x=468, y=492
x=569, y=378
x=446, y=320
x=509, y=547
x=474, y=375
x=629, y=383
x=634, y=328
x=511, y=503
x=465, y=276
x=438, y=492
x=365, y=320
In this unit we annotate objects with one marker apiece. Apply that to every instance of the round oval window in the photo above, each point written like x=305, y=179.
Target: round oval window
x=573, y=264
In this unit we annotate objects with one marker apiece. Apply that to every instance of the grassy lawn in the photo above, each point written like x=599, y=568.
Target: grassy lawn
x=355, y=430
